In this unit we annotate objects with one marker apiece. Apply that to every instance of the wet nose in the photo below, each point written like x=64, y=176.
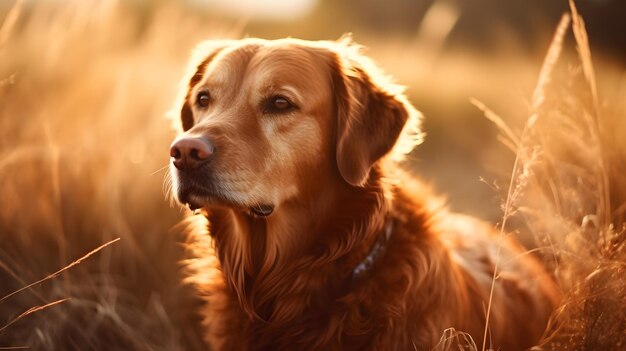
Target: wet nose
x=190, y=153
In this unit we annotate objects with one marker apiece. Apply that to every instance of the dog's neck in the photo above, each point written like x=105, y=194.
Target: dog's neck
x=268, y=260
x=375, y=252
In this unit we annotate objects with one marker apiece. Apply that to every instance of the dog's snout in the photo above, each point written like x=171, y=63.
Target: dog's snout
x=191, y=153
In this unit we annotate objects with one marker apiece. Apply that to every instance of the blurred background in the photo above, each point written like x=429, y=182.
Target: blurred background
x=84, y=89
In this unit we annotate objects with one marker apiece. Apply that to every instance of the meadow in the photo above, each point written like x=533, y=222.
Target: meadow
x=85, y=93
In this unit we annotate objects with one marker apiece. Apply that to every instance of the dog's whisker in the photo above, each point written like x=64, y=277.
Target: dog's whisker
x=160, y=169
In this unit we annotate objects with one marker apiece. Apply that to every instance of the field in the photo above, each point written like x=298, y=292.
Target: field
x=535, y=145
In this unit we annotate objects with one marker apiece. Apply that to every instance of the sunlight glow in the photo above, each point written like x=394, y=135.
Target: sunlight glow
x=261, y=9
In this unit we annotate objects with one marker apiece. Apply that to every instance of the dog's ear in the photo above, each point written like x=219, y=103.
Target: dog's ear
x=203, y=54
x=371, y=114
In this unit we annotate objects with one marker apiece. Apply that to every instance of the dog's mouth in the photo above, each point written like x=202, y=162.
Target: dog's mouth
x=196, y=202
x=196, y=194
x=195, y=198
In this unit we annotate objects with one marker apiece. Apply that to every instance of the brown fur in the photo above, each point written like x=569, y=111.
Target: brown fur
x=284, y=282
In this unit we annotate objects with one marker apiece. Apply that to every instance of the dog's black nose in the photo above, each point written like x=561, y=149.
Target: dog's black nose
x=190, y=153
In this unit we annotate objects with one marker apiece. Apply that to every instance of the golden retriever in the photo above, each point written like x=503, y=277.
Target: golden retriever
x=315, y=239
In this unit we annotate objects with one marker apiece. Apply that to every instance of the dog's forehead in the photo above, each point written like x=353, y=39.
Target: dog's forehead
x=271, y=62
x=290, y=65
x=229, y=63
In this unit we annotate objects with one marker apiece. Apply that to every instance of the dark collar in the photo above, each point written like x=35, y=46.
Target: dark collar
x=378, y=248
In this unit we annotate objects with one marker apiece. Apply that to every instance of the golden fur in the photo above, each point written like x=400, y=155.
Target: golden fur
x=325, y=166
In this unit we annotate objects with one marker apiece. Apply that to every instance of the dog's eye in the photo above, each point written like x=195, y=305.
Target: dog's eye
x=280, y=103
x=277, y=104
x=203, y=99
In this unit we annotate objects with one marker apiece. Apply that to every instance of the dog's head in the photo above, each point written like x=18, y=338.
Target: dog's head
x=264, y=122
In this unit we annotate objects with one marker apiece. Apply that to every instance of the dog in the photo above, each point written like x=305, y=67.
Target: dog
x=312, y=236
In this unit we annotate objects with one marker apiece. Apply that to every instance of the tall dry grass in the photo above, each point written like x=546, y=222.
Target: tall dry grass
x=567, y=185
x=83, y=142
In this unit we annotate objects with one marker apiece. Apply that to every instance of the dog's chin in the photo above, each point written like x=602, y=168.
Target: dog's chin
x=195, y=201
x=204, y=201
